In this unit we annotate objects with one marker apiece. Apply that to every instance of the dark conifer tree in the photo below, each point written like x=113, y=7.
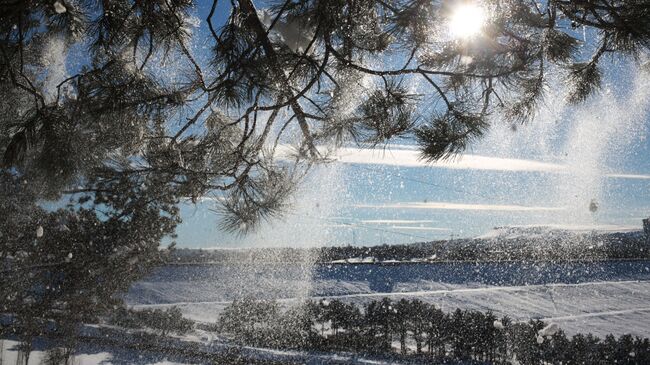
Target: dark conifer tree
x=402, y=316
x=435, y=329
x=416, y=322
x=141, y=121
x=140, y=106
x=460, y=334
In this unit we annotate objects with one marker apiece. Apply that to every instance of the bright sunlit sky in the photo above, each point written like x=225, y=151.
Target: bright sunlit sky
x=543, y=173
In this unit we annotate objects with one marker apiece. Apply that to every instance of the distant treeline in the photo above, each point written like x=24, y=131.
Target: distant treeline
x=400, y=330
x=552, y=245
x=159, y=321
x=417, y=330
x=546, y=245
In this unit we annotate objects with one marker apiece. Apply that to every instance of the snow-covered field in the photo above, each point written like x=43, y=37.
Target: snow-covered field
x=600, y=298
x=88, y=355
x=83, y=356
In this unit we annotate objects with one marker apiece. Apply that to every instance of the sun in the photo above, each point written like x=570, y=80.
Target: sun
x=466, y=20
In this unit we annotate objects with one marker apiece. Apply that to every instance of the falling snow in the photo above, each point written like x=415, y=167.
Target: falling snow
x=59, y=8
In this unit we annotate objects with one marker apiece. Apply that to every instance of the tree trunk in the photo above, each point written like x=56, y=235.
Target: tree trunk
x=387, y=339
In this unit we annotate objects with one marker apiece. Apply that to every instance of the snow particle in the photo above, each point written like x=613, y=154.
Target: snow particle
x=466, y=60
x=498, y=325
x=193, y=21
x=59, y=8
x=69, y=255
x=540, y=340
x=39, y=231
x=549, y=330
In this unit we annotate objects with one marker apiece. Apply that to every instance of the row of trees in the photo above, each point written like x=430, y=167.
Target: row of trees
x=64, y=337
x=534, y=244
x=164, y=322
x=540, y=244
x=413, y=328
x=404, y=329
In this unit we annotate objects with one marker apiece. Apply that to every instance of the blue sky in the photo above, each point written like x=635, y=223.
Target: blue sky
x=544, y=173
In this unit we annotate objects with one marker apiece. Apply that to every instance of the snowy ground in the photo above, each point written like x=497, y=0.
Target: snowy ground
x=86, y=356
x=93, y=355
x=618, y=305
x=599, y=298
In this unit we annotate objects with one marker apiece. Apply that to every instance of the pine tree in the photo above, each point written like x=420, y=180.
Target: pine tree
x=299, y=68
x=69, y=266
x=460, y=334
x=402, y=316
x=381, y=318
x=435, y=328
x=106, y=105
x=416, y=322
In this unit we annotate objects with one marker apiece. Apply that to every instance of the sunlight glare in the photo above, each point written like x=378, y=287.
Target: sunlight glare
x=466, y=20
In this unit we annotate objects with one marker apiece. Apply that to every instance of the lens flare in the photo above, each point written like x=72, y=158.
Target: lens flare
x=466, y=20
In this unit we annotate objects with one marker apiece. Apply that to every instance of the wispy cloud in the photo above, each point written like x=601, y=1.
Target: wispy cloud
x=399, y=155
x=363, y=225
x=629, y=176
x=412, y=228
x=395, y=221
x=409, y=157
x=458, y=206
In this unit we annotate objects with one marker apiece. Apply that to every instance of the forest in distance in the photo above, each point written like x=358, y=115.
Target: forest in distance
x=399, y=331
x=402, y=330
x=547, y=246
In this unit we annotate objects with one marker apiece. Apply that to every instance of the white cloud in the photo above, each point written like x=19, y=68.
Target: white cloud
x=386, y=229
x=409, y=156
x=394, y=221
x=629, y=176
x=458, y=206
x=411, y=228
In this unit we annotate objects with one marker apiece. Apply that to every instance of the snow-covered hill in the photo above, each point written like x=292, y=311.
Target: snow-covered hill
x=558, y=230
x=597, y=299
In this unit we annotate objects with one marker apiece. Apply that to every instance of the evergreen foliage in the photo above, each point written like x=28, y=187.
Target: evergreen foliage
x=97, y=96
x=61, y=268
x=401, y=329
x=106, y=105
x=164, y=322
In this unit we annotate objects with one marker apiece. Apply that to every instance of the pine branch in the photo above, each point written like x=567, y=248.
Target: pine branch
x=262, y=37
